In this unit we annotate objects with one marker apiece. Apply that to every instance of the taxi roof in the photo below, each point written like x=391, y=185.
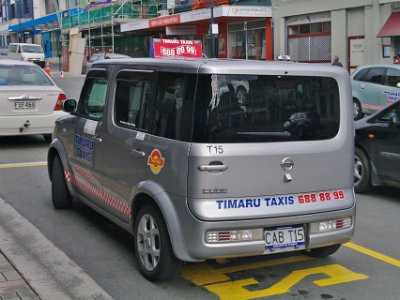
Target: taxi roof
x=227, y=66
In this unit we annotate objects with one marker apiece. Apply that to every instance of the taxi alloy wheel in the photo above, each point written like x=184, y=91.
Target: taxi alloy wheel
x=59, y=191
x=357, y=111
x=361, y=172
x=153, y=249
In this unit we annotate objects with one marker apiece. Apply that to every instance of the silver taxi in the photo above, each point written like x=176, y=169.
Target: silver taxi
x=164, y=149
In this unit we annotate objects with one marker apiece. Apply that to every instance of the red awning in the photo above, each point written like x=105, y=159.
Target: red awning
x=391, y=26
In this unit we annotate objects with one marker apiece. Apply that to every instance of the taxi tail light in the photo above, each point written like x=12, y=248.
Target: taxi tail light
x=61, y=98
x=233, y=236
x=332, y=225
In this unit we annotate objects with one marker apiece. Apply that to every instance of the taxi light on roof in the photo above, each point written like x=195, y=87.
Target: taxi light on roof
x=233, y=236
x=332, y=225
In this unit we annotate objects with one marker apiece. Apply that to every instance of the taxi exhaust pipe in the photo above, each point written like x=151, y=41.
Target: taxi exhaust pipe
x=26, y=125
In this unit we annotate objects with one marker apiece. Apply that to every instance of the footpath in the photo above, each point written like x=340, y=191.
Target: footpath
x=33, y=268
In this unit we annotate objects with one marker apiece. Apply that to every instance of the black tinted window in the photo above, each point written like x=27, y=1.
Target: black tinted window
x=169, y=114
x=273, y=108
x=361, y=74
x=375, y=75
x=133, y=88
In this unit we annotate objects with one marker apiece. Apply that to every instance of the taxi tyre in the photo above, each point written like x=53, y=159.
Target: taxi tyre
x=357, y=110
x=324, y=251
x=59, y=191
x=168, y=265
x=361, y=163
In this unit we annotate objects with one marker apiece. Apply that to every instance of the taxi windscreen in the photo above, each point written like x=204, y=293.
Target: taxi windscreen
x=265, y=108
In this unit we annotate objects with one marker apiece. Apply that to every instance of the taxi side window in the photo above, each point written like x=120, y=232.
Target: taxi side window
x=93, y=97
x=171, y=114
x=375, y=75
x=392, y=77
x=133, y=88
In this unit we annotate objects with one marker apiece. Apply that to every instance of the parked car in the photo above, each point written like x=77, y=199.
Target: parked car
x=30, y=101
x=377, y=154
x=303, y=124
x=99, y=56
x=374, y=87
x=158, y=147
x=27, y=52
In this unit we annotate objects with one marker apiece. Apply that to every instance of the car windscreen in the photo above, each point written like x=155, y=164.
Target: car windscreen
x=261, y=108
x=32, y=49
x=29, y=75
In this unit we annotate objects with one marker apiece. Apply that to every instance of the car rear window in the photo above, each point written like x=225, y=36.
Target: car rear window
x=29, y=75
x=32, y=49
x=255, y=108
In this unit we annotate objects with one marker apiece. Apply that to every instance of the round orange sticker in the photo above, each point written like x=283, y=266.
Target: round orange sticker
x=155, y=161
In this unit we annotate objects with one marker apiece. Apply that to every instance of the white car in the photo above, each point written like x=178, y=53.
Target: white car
x=30, y=101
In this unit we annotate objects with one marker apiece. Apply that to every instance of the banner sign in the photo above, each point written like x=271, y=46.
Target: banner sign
x=169, y=48
x=181, y=30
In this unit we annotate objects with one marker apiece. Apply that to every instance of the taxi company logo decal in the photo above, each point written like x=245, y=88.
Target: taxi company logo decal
x=156, y=161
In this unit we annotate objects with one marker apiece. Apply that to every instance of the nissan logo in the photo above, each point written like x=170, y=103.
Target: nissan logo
x=287, y=164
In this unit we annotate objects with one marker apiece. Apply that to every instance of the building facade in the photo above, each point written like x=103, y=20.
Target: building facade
x=318, y=30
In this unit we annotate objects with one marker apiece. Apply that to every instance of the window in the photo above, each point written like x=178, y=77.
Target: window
x=23, y=75
x=170, y=116
x=375, y=75
x=392, y=77
x=394, y=112
x=247, y=40
x=277, y=108
x=93, y=97
x=310, y=42
x=133, y=88
x=361, y=74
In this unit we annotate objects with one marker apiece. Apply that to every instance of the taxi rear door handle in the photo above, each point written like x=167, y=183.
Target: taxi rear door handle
x=213, y=168
x=97, y=139
x=137, y=153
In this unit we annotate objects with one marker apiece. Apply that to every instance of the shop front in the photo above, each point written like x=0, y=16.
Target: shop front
x=243, y=32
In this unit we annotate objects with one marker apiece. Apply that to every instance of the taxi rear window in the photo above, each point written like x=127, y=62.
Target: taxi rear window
x=265, y=108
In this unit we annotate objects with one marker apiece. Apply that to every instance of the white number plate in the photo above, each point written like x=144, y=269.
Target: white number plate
x=24, y=105
x=284, y=237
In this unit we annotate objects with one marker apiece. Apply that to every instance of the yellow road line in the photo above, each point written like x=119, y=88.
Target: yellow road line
x=23, y=165
x=202, y=274
x=374, y=254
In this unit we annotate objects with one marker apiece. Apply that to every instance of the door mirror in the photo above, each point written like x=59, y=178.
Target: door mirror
x=395, y=121
x=69, y=105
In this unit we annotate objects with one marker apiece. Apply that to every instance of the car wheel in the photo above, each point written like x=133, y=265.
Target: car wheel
x=357, y=111
x=47, y=138
x=59, y=191
x=361, y=172
x=324, y=251
x=241, y=95
x=153, y=250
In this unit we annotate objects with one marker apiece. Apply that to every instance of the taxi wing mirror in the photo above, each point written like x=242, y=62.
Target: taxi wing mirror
x=69, y=105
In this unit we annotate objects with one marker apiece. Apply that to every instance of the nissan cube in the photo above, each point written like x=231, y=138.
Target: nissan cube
x=165, y=149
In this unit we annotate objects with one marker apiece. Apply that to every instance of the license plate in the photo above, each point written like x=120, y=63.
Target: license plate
x=285, y=237
x=24, y=105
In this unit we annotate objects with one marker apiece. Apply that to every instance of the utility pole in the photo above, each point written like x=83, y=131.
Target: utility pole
x=213, y=29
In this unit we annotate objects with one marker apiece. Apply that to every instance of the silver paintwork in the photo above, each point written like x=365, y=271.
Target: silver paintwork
x=245, y=170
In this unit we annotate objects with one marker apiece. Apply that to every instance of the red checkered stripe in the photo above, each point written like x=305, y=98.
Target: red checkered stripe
x=111, y=201
x=371, y=106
